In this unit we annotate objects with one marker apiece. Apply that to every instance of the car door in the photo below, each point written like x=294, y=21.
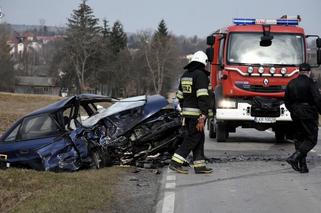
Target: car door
x=32, y=133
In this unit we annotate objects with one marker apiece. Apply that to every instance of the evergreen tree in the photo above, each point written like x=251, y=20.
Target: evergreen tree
x=161, y=34
x=83, y=20
x=118, y=37
x=104, y=61
x=106, y=31
x=162, y=28
x=81, y=43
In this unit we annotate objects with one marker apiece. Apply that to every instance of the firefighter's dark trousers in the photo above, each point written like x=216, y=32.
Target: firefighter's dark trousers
x=193, y=141
x=306, y=134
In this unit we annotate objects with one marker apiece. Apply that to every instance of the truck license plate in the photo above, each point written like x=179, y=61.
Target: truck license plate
x=264, y=120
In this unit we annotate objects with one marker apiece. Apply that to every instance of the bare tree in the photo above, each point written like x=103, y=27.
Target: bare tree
x=161, y=58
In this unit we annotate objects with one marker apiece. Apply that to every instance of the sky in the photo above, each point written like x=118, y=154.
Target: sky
x=183, y=17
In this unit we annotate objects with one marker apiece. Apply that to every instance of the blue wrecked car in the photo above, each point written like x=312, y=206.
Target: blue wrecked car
x=76, y=132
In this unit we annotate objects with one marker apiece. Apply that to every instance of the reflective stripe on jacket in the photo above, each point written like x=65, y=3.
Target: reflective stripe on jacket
x=193, y=93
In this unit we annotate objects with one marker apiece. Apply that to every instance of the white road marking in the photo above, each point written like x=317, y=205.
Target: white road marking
x=169, y=194
x=170, y=185
x=169, y=202
x=171, y=178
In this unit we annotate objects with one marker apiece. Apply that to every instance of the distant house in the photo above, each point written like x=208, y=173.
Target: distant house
x=46, y=39
x=36, y=85
x=27, y=41
x=33, y=75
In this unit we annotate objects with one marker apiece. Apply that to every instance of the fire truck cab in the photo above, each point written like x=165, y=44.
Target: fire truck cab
x=251, y=63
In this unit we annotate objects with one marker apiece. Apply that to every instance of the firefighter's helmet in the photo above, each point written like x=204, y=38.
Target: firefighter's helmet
x=200, y=56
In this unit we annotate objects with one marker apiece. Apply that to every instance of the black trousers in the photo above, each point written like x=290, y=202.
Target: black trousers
x=193, y=141
x=306, y=134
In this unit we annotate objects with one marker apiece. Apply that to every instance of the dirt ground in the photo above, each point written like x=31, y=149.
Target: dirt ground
x=111, y=189
x=135, y=192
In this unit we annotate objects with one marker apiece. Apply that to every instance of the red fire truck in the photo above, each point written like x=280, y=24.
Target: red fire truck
x=251, y=63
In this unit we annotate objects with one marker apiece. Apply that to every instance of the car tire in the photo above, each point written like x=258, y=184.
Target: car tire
x=221, y=132
x=279, y=136
x=212, y=128
x=97, y=161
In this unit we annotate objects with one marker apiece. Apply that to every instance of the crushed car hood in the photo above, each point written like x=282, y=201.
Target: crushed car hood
x=149, y=104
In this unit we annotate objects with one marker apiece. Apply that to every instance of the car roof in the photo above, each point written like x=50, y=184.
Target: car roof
x=69, y=101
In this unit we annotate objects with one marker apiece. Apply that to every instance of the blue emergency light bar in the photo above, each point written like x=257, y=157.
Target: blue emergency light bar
x=252, y=21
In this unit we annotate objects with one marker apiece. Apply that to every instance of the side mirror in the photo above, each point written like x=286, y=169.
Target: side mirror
x=210, y=53
x=319, y=56
x=210, y=40
x=318, y=42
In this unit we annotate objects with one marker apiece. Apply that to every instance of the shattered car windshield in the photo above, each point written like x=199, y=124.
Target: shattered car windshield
x=124, y=104
x=286, y=49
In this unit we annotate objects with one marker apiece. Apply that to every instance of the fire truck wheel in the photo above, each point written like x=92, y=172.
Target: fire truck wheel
x=221, y=132
x=279, y=136
x=212, y=129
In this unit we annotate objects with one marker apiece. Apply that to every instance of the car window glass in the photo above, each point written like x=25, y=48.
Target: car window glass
x=67, y=112
x=67, y=118
x=92, y=107
x=83, y=114
x=37, y=127
x=101, y=105
x=13, y=134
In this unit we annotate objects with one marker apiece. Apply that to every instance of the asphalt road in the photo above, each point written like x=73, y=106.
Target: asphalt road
x=250, y=176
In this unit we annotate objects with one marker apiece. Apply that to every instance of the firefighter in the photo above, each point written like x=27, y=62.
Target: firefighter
x=303, y=100
x=195, y=103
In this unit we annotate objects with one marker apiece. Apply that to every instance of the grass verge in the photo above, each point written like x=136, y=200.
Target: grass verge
x=26, y=191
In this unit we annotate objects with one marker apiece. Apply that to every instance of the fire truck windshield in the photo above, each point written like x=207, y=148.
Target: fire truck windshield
x=286, y=49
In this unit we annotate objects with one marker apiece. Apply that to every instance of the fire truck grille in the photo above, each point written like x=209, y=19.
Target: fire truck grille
x=259, y=88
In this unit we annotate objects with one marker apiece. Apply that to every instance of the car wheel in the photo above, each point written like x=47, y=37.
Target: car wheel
x=221, y=132
x=279, y=136
x=212, y=128
x=97, y=161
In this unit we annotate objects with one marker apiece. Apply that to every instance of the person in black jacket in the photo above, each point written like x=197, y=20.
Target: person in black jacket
x=303, y=100
x=195, y=104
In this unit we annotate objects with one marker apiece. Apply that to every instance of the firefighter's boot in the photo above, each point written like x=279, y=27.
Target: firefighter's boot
x=294, y=159
x=200, y=167
x=203, y=170
x=303, y=165
x=178, y=167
